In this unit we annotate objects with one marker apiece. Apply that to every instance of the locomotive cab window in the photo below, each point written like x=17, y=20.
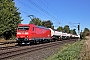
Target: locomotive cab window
x=23, y=28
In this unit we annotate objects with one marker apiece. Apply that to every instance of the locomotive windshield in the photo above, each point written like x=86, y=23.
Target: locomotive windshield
x=23, y=28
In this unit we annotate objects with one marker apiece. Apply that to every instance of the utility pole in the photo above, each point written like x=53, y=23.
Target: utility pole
x=77, y=27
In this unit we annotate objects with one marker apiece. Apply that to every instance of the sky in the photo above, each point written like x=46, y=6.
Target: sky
x=60, y=12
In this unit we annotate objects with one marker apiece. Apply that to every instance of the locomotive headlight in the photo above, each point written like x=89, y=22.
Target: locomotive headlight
x=26, y=32
x=18, y=33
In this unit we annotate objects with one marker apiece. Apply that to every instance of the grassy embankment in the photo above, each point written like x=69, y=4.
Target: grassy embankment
x=69, y=52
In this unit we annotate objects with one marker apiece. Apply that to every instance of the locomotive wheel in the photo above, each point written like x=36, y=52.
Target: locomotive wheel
x=40, y=41
x=35, y=42
x=19, y=43
x=48, y=40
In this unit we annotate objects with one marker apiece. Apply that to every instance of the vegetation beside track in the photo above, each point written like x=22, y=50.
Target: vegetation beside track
x=7, y=43
x=69, y=52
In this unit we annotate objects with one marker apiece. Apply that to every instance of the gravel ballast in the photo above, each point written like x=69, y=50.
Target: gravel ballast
x=40, y=54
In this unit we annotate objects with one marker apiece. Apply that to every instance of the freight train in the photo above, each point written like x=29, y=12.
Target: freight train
x=28, y=33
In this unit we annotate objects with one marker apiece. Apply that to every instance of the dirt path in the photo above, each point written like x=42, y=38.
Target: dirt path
x=86, y=49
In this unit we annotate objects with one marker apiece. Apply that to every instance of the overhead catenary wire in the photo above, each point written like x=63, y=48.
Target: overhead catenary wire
x=50, y=9
x=40, y=8
x=72, y=25
x=56, y=12
x=24, y=12
x=32, y=9
x=43, y=4
x=48, y=15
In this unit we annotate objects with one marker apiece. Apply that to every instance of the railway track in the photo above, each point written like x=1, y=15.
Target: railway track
x=8, y=47
x=6, y=54
x=11, y=47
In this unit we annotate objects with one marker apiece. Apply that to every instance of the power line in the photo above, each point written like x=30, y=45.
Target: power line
x=48, y=8
x=43, y=3
x=37, y=11
x=77, y=27
x=54, y=9
x=42, y=9
x=32, y=9
x=24, y=12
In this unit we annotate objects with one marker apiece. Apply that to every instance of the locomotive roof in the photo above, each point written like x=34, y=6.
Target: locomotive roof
x=26, y=24
x=35, y=25
x=42, y=27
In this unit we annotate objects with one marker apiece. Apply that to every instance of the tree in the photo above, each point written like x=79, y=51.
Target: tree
x=60, y=28
x=73, y=31
x=9, y=18
x=66, y=29
x=47, y=24
x=86, y=31
x=36, y=21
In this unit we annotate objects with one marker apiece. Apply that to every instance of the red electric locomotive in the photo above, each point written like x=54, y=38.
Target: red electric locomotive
x=27, y=33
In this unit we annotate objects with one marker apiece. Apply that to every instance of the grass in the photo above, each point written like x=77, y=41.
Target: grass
x=69, y=52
